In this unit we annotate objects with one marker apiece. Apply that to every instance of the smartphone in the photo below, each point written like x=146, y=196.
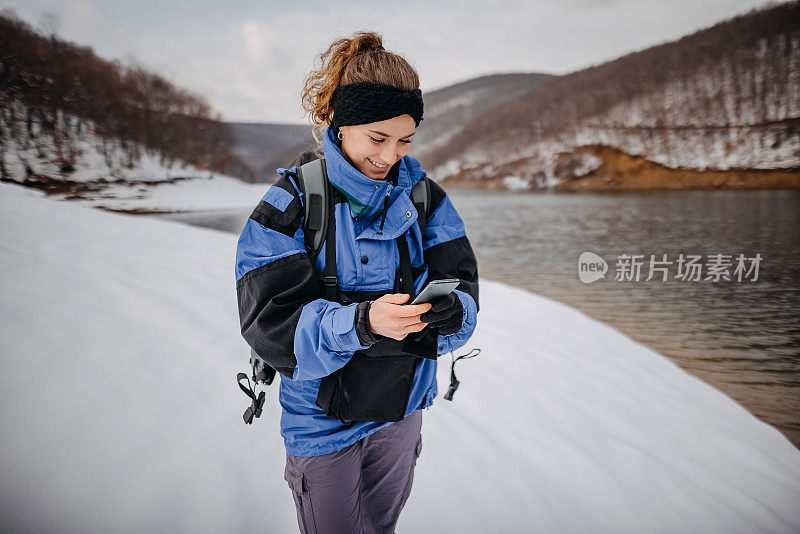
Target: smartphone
x=436, y=289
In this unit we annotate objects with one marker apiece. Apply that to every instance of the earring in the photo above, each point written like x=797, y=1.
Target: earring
x=339, y=135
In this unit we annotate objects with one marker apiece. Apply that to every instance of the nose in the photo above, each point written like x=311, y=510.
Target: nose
x=389, y=153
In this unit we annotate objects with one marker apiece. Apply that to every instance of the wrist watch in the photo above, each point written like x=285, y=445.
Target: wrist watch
x=365, y=334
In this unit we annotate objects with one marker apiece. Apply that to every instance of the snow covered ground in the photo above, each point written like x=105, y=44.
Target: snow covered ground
x=217, y=192
x=120, y=412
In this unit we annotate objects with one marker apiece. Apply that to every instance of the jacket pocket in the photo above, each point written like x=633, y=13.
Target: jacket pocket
x=368, y=389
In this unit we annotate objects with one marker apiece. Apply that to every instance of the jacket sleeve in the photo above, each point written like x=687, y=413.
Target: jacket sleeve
x=449, y=254
x=300, y=335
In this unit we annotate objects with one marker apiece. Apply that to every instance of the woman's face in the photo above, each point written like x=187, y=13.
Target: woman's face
x=373, y=148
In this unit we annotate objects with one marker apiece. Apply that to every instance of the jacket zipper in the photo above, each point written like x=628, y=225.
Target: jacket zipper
x=383, y=217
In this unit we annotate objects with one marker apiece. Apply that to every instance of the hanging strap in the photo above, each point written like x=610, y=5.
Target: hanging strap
x=258, y=402
x=453, y=381
x=347, y=400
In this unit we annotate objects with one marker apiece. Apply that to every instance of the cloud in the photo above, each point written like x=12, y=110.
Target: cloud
x=254, y=44
x=249, y=59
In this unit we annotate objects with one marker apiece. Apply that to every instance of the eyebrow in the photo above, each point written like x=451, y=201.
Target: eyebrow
x=387, y=135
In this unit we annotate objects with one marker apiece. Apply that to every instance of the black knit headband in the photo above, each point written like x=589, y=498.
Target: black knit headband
x=365, y=102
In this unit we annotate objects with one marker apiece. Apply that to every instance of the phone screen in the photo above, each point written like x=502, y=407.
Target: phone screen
x=436, y=289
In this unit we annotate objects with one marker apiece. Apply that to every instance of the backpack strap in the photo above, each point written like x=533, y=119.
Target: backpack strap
x=319, y=225
x=421, y=197
x=330, y=282
x=313, y=180
x=406, y=274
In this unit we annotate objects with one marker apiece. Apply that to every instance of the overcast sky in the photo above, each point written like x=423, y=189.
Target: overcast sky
x=249, y=58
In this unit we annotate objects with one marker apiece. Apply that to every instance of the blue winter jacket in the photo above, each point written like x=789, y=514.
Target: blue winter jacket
x=305, y=337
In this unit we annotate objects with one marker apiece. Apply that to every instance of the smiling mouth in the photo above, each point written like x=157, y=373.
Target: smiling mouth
x=378, y=166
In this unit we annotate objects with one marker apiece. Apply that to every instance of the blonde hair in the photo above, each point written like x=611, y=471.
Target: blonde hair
x=351, y=61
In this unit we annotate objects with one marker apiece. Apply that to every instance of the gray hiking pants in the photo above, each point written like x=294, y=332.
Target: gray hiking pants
x=361, y=488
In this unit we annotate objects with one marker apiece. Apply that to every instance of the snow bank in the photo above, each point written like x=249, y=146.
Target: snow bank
x=120, y=411
x=150, y=184
x=217, y=192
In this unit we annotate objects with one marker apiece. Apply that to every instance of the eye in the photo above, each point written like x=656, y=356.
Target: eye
x=379, y=141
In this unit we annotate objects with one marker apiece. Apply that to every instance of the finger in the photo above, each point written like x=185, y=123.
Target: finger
x=433, y=316
x=395, y=298
x=428, y=319
x=402, y=324
x=444, y=302
x=442, y=305
x=414, y=327
x=413, y=310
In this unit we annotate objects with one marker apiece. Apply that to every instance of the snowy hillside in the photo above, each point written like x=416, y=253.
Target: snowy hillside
x=724, y=98
x=102, y=175
x=449, y=108
x=120, y=412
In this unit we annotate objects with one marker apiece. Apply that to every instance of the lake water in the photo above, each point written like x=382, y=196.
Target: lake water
x=741, y=336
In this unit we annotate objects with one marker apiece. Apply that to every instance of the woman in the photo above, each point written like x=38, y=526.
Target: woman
x=357, y=370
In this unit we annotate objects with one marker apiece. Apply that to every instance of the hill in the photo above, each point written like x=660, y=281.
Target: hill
x=263, y=147
x=724, y=99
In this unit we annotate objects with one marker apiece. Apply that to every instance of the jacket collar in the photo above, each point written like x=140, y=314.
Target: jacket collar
x=366, y=196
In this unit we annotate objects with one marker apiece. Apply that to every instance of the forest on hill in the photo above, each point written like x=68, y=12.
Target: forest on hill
x=725, y=98
x=54, y=95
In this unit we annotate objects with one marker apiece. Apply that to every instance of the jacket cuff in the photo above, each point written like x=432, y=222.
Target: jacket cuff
x=365, y=334
x=458, y=339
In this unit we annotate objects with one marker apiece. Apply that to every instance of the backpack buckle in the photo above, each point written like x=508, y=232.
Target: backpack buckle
x=330, y=281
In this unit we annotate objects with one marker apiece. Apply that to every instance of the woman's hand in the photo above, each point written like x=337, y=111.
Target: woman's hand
x=447, y=315
x=389, y=317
